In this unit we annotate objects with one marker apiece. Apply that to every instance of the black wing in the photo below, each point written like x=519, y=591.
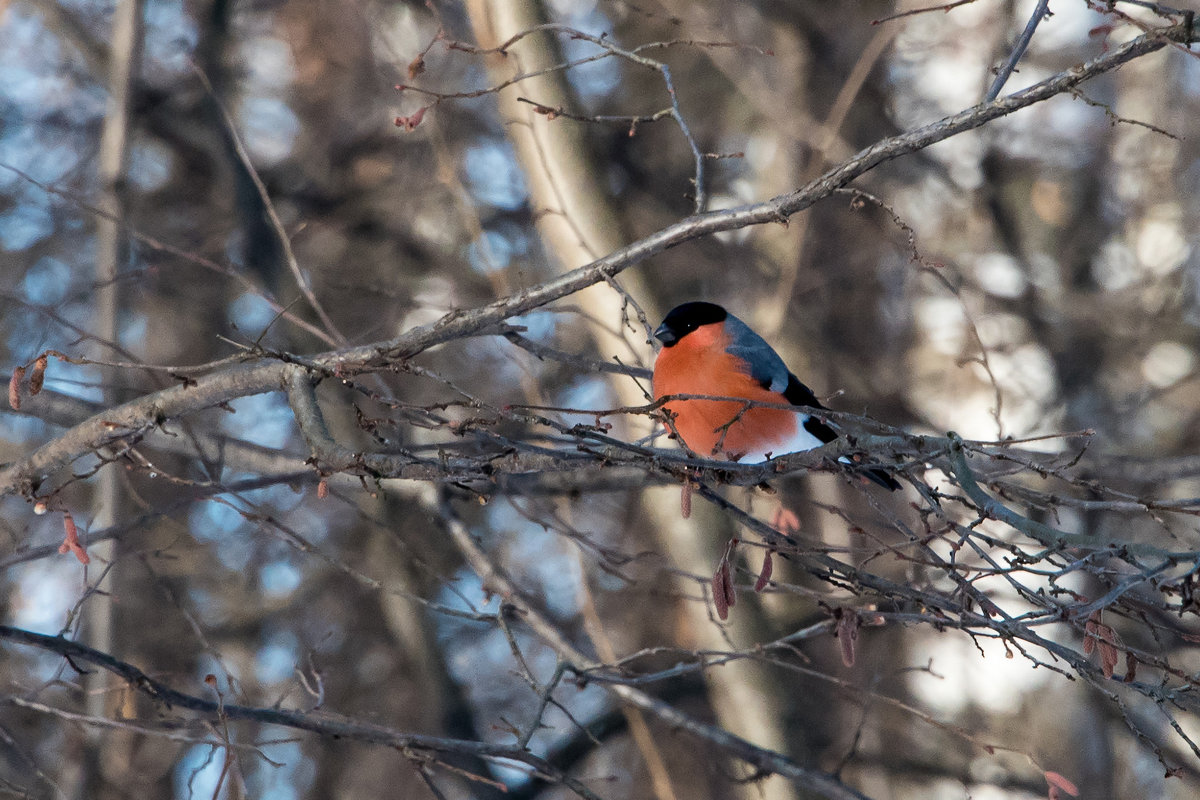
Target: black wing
x=800, y=395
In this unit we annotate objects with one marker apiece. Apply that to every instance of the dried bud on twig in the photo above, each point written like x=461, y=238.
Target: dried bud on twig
x=411, y=122
x=416, y=66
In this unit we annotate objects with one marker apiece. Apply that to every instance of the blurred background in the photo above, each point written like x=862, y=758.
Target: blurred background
x=1034, y=276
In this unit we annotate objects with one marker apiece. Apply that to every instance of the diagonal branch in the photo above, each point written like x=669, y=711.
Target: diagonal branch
x=767, y=761
x=1041, y=12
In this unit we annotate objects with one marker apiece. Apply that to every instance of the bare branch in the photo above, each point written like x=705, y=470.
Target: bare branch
x=139, y=416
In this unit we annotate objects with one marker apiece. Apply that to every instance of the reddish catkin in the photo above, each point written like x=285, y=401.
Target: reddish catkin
x=1060, y=783
x=14, y=388
x=71, y=541
x=718, y=593
x=411, y=122
x=322, y=489
x=724, y=595
x=764, y=576
x=685, y=500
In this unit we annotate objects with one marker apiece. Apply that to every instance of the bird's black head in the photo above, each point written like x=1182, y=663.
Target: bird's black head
x=686, y=318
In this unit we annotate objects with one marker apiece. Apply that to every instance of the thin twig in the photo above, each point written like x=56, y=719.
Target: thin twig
x=285, y=241
x=1040, y=12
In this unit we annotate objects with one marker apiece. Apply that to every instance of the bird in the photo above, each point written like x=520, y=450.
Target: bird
x=708, y=351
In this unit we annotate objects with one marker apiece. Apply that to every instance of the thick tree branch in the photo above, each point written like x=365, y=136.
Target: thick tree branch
x=270, y=374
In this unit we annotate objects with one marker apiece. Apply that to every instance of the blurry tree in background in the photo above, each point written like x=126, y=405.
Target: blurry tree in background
x=344, y=481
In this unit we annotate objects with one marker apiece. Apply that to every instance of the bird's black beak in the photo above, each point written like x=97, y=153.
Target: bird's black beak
x=665, y=335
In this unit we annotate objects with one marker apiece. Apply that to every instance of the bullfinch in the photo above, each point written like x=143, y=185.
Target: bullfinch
x=708, y=351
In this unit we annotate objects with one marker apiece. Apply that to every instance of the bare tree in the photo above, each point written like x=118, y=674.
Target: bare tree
x=261, y=541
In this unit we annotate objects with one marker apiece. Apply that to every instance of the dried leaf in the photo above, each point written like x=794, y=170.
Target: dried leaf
x=1091, y=632
x=1108, y=649
x=14, y=388
x=1057, y=781
x=38, y=376
x=847, y=634
x=1130, y=667
x=764, y=575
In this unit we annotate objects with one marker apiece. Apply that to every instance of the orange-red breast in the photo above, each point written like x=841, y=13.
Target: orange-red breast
x=708, y=351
